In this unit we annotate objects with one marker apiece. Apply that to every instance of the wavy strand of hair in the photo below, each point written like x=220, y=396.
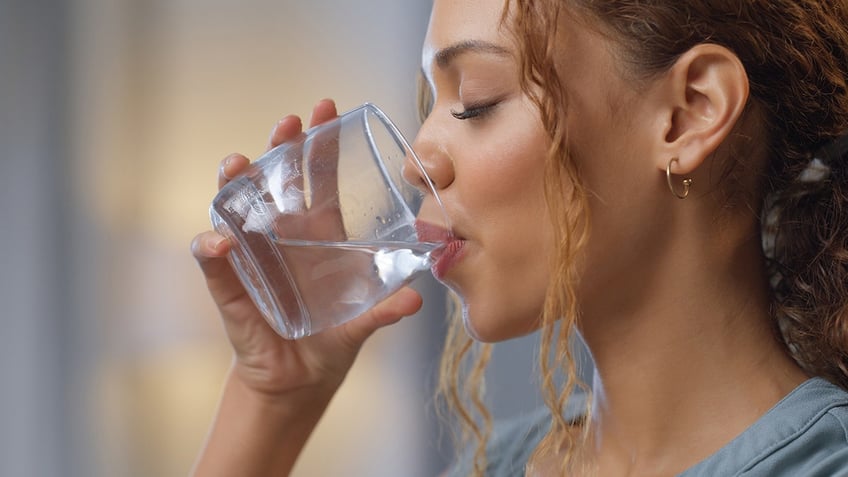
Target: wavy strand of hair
x=535, y=28
x=461, y=387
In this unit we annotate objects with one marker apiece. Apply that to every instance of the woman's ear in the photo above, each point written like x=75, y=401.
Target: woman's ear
x=705, y=94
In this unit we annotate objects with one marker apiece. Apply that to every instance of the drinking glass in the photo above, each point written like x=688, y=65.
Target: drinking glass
x=325, y=226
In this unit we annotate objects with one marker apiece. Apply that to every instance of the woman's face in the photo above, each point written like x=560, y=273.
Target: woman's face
x=484, y=146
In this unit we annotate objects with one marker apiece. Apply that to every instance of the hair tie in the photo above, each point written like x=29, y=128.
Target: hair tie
x=830, y=160
x=833, y=152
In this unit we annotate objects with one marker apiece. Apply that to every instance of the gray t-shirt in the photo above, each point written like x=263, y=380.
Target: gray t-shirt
x=803, y=435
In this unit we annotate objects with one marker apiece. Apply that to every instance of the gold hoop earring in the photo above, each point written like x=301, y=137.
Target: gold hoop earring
x=687, y=182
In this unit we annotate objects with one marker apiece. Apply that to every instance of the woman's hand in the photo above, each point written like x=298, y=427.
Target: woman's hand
x=265, y=362
x=277, y=389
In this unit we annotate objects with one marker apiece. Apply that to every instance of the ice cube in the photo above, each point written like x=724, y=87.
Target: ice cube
x=396, y=265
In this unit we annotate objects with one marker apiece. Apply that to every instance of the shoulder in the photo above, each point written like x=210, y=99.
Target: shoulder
x=514, y=439
x=805, y=434
x=816, y=439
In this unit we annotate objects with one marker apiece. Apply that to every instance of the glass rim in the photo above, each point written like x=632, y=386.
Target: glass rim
x=401, y=139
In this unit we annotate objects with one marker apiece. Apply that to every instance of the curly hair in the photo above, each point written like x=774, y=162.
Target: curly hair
x=795, y=53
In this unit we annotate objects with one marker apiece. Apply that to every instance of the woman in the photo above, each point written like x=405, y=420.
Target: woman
x=679, y=164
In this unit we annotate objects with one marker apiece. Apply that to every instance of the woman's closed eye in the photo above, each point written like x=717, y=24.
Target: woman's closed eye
x=475, y=111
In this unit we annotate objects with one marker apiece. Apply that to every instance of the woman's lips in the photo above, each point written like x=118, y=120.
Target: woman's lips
x=445, y=257
x=432, y=233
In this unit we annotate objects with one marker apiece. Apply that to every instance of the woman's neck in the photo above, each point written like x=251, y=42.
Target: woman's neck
x=685, y=371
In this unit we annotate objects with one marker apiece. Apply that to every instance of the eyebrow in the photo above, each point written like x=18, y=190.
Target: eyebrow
x=446, y=55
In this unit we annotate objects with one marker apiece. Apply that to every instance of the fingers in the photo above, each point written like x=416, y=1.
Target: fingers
x=324, y=111
x=323, y=161
x=231, y=166
x=285, y=130
x=403, y=303
x=291, y=126
x=209, y=245
x=210, y=249
x=323, y=166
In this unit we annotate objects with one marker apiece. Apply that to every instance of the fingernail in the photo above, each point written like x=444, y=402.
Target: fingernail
x=218, y=244
x=224, y=166
x=274, y=129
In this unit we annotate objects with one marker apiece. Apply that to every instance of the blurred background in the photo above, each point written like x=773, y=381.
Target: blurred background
x=114, y=115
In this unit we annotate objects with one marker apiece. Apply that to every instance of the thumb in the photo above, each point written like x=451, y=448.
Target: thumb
x=404, y=302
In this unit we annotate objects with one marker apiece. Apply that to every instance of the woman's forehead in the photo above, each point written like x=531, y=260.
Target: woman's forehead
x=457, y=22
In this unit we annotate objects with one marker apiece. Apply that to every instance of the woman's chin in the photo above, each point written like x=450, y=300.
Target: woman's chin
x=493, y=328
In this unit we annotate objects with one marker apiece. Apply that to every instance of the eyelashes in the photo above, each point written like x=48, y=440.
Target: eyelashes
x=474, y=112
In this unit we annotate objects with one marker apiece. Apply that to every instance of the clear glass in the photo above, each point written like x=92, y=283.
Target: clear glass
x=325, y=226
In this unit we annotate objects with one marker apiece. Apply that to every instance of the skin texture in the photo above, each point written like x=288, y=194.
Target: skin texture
x=672, y=295
x=277, y=390
x=487, y=169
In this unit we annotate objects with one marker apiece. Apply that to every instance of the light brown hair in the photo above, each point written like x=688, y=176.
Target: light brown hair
x=795, y=53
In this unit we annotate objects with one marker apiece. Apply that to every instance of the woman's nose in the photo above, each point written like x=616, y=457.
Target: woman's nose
x=433, y=158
